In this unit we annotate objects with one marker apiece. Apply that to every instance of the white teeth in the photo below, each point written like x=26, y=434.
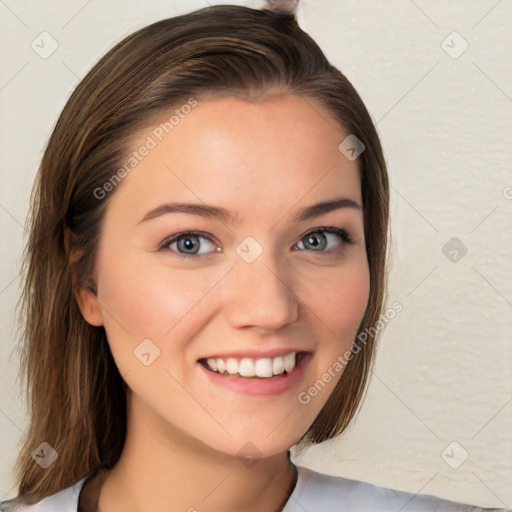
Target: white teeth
x=247, y=367
x=232, y=366
x=289, y=362
x=263, y=367
x=278, y=365
x=221, y=365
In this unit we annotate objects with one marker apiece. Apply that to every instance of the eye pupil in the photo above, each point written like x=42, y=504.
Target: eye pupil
x=186, y=243
x=312, y=237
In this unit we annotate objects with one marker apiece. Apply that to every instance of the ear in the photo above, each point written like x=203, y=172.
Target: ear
x=89, y=305
x=84, y=290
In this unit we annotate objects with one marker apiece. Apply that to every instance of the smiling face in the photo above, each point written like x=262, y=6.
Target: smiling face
x=259, y=282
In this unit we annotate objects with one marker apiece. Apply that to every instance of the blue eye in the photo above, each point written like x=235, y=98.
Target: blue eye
x=188, y=243
x=317, y=240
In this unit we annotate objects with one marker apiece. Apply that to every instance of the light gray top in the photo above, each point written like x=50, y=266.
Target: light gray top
x=314, y=492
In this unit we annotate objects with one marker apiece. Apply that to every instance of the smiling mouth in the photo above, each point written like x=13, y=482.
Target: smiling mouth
x=249, y=368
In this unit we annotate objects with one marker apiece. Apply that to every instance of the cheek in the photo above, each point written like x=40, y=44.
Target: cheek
x=341, y=300
x=151, y=299
x=339, y=306
x=153, y=302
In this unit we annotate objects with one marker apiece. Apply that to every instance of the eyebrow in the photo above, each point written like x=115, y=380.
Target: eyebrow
x=204, y=210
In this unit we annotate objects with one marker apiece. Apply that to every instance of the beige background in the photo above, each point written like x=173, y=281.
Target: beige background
x=442, y=386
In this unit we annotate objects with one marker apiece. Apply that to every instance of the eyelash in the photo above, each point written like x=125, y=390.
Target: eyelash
x=164, y=246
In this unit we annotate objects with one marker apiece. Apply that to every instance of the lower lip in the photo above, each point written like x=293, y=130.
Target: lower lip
x=256, y=386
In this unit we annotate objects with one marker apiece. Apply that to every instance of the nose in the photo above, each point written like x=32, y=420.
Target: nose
x=259, y=295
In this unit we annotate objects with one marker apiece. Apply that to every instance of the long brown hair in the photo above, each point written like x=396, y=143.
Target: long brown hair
x=76, y=396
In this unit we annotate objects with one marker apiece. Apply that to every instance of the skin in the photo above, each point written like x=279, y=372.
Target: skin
x=265, y=160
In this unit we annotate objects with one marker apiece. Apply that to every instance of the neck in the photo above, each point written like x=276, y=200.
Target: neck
x=159, y=469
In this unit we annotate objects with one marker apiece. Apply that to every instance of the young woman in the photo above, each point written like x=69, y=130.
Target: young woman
x=205, y=265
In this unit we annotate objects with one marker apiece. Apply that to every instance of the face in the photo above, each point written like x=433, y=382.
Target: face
x=182, y=291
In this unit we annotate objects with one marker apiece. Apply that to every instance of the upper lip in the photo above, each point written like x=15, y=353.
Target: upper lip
x=254, y=354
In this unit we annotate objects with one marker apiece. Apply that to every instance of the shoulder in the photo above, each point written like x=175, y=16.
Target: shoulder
x=63, y=501
x=317, y=492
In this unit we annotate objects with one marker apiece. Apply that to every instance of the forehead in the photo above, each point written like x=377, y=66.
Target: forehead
x=274, y=152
